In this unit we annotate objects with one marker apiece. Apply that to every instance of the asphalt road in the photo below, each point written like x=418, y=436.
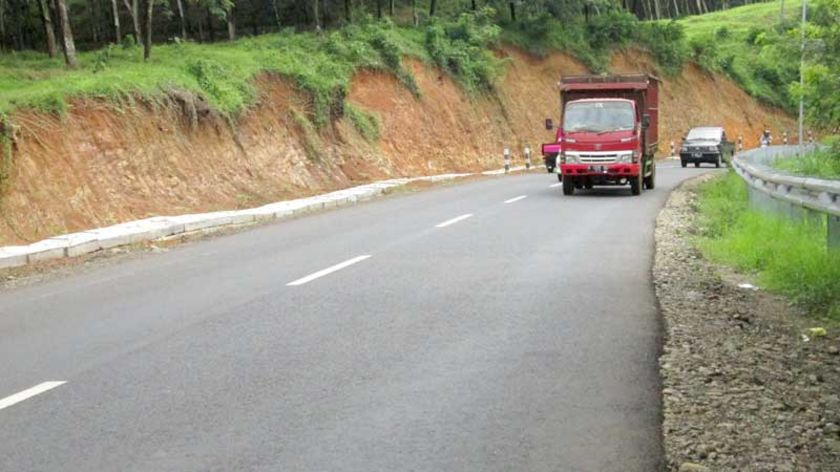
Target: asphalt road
x=521, y=338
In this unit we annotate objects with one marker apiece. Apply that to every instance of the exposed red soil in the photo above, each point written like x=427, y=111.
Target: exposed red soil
x=100, y=164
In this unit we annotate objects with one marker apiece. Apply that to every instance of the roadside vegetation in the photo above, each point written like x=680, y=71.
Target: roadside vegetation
x=788, y=257
x=824, y=163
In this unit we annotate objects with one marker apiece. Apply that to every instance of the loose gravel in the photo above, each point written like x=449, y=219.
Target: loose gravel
x=747, y=384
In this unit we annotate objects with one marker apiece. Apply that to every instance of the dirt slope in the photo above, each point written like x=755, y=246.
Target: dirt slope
x=100, y=164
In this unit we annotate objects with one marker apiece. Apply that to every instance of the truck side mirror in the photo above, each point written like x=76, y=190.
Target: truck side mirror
x=549, y=124
x=645, y=120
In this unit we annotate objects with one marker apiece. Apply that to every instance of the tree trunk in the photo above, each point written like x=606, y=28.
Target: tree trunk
x=66, y=34
x=134, y=12
x=147, y=38
x=414, y=18
x=93, y=5
x=512, y=11
x=48, y=28
x=379, y=9
x=231, y=24
x=117, y=32
x=658, y=9
x=211, y=32
x=2, y=25
x=347, y=14
x=277, y=14
x=676, y=9
x=317, y=12
x=391, y=8
x=181, y=18
x=432, y=7
x=474, y=6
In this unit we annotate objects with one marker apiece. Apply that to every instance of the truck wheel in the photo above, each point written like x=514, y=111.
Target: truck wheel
x=636, y=185
x=650, y=181
x=568, y=185
x=717, y=162
x=560, y=177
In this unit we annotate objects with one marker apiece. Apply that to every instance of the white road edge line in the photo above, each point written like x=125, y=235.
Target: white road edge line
x=29, y=393
x=453, y=220
x=555, y=185
x=516, y=199
x=327, y=271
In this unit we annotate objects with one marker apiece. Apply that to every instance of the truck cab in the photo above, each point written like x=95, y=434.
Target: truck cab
x=608, y=132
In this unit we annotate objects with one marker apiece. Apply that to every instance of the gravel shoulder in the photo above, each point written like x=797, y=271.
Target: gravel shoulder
x=746, y=385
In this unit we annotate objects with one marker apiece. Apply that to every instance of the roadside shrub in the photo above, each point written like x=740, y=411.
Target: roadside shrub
x=722, y=33
x=366, y=123
x=216, y=80
x=704, y=52
x=615, y=28
x=461, y=49
x=753, y=35
x=666, y=42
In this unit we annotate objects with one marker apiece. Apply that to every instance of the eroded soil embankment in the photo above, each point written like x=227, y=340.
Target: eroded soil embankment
x=101, y=164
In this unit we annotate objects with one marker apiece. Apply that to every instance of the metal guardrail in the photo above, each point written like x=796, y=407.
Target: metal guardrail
x=793, y=196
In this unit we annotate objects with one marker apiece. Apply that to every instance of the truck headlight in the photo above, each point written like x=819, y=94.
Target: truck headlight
x=571, y=158
x=625, y=157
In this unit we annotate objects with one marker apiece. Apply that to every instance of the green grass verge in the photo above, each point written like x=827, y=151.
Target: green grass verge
x=824, y=163
x=788, y=257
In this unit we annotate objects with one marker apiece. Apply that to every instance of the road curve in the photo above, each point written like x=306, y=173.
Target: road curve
x=490, y=326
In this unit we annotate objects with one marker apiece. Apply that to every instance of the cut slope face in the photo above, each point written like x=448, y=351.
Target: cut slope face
x=101, y=165
x=699, y=98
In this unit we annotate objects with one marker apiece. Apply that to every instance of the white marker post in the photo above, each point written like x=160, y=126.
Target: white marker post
x=527, y=157
x=506, y=155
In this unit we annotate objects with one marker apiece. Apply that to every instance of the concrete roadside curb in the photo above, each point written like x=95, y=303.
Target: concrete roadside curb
x=163, y=227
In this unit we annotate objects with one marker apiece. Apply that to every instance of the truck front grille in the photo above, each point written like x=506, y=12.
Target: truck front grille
x=598, y=159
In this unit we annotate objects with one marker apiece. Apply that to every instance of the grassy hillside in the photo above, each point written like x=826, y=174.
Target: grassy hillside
x=220, y=72
x=751, y=46
x=321, y=64
x=740, y=42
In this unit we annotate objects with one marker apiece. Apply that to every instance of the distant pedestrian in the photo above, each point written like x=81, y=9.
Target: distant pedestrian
x=766, y=138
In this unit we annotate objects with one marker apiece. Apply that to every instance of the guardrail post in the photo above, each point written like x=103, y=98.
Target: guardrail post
x=833, y=242
x=506, y=155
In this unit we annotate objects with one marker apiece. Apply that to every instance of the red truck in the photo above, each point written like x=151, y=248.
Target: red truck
x=608, y=134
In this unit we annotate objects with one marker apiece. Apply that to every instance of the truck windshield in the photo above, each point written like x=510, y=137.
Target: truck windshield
x=599, y=117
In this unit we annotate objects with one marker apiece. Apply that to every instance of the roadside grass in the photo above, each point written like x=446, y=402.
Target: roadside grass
x=788, y=257
x=824, y=163
x=749, y=44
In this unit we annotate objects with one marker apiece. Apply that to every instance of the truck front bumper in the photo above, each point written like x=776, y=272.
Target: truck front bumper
x=601, y=171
